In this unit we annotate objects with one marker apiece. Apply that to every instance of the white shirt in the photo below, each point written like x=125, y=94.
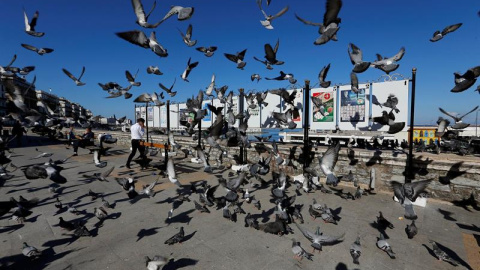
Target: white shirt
x=137, y=132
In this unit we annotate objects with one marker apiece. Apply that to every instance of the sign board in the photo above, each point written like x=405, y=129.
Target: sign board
x=327, y=121
x=353, y=109
x=379, y=95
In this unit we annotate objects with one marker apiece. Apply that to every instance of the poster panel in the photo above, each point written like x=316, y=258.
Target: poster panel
x=207, y=120
x=174, y=115
x=298, y=103
x=353, y=109
x=380, y=93
x=329, y=120
x=274, y=105
x=163, y=116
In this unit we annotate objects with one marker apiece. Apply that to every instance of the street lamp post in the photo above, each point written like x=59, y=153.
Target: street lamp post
x=476, y=123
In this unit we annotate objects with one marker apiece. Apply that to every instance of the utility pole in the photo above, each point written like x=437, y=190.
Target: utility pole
x=241, y=99
x=409, y=169
x=306, y=123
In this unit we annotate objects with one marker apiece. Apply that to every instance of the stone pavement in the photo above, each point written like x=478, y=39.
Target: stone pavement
x=140, y=228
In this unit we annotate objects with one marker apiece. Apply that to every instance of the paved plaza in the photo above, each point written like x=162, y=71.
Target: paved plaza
x=138, y=228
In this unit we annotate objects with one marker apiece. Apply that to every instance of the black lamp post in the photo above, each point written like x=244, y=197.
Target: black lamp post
x=409, y=169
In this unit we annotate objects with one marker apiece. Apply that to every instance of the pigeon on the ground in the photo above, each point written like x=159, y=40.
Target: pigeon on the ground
x=156, y=263
x=299, y=252
x=442, y=255
x=411, y=230
x=385, y=246
x=31, y=252
x=177, y=238
x=356, y=250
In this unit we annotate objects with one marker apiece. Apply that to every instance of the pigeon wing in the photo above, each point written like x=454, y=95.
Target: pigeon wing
x=445, y=112
x=398, y=190
x=136, y=37
x=280, y=13
x=474, y=109
x=451, y=28
x=29, y=47
x=330, y=157
x=419, y=187
x=308, y=234
x=69, y=74
x=107, y=172
x=399, y=55
x=307, y=22
x=138, y=9
x=331, y=15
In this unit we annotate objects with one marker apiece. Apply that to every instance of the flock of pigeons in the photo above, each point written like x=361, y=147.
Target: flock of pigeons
x=225, y=132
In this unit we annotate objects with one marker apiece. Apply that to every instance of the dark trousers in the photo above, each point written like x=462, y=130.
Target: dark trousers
x=136, y=145
x=80, y=143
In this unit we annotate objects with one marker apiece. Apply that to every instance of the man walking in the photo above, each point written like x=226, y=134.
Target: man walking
x=137, y=132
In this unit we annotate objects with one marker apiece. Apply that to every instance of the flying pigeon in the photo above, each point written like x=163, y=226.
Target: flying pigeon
x=458, y=119
x=465, y=81
x=449, y=29
x=356, y=57
x=410, y=191
x=255, y=76
x=140, y=13
x=328, y=30
x=322, y=76
x=131, y=79
x=139, y=38
x=207, y=51
x=30, y=26
x=318, y=238
x=154, y=70
x=183, y=13
x=388, y=64
x=188, y=69
x=187, y=37
x=284, y=76
x=267, y=23
x=237, y=58
x=40, y=51
x=328, y=161
x=77, y=81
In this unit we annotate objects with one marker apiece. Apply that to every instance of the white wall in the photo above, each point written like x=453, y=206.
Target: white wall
x=381, y=91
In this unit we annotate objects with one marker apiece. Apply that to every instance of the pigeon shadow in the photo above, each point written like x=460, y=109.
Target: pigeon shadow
x=381, y=229
x=341, y=266
x=446, y=214
x=184, y=262
x=147, y=232
x=59, y=242
x=20, y=262
x=188, y=237
x=181, y=218
x=376, y=158
x=11, y=229
x=472, y=227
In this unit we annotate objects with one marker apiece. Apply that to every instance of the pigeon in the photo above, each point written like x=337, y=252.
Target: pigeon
x=409, y=190
x=148, y=190
x=177, y=238
x=156, y=263
x=314, y=214
x=354, y=83
x=31, y=252
x=154, y=70
x=458, y=119
x=201, y=208
x=383, y=245
x=328, y=161
x=449, y=29
x=323, y=75
x=356, y=250
x=442, y=126
x=67, y=225
x=183, y=13
x=328, y=30
x=299, y=252
x=250, y=222
x=100, y=213
x=210, y=87
x=207, y=51
x=466, y=80
x=106, y=204
x=30, y=26
x=140, y=13
x=267, y=23
x=139, y=38
x=58, y=204
x=77, y=81
x=411, y=230
x=284, y=119
x=172, y=176
x=169, y=90
x=237, y=58
x=356, y=57
x=271, y=54
x=266, y=63
x=388, y=64
x=383, y=223
x=188, y=69
x=40, y=51
x=284, y=76
x=409, y=211
x=441, y=255
x=254, y=77
x=187, y=37
x=327, y=215
x=103, y=176
x=389, y=119
x=318, y=238
x=131, y=79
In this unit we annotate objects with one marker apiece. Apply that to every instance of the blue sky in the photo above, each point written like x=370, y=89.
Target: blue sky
x=83, y=34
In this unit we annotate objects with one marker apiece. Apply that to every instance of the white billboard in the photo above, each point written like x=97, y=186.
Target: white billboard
x=328, y=120
x=274, y=105
x=353, y=108
x=174, y=115
x=163, y=116
x=380, y=92
x=207, y=120
x=298, y=103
